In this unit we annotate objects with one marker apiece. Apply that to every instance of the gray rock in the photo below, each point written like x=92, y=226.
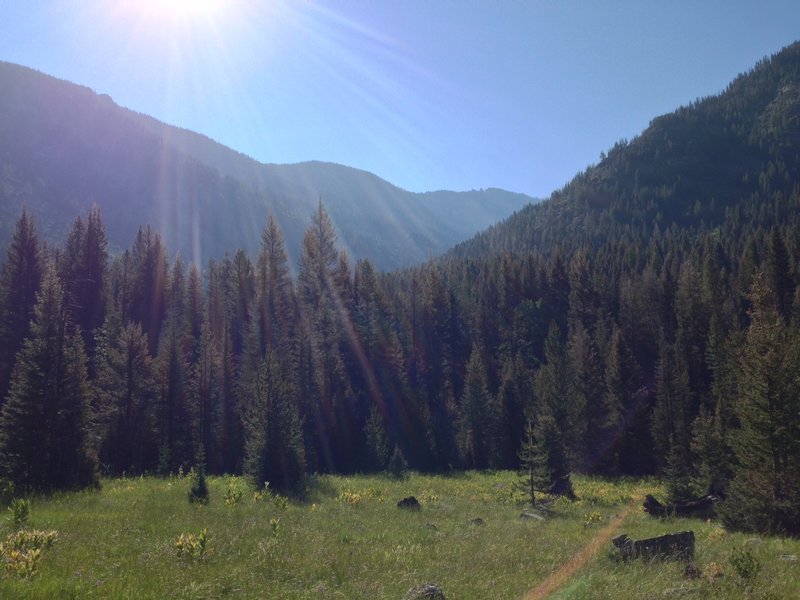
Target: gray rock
x=425, y=591
x=477, y=521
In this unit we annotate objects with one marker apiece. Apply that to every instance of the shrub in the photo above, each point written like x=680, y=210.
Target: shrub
x=189, y=546
x=592, y=518
x=281, y=502
x=746, y=565
x=275, y=526
x=235, y=491
x=21, y=552
x=19, y=510
x=263, y=494
x=350, y=497
x=34, y=539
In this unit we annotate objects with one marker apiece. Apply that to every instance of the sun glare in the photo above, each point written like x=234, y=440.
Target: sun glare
x=179, y=10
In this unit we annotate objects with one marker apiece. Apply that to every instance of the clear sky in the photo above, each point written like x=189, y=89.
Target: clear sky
x=428, y=94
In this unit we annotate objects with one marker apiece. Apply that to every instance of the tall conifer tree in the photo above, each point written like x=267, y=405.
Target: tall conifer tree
x=19, y=282
x=125, y=393
x=476, y=421
x=44, y=424
x=328, y=408
x=765, y=492
x=274, y=451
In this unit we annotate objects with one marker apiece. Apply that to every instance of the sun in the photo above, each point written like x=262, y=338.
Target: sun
x=179, y=10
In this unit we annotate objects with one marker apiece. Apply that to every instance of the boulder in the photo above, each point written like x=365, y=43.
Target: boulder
x=477, y=521
x=426, y=591
x=411, y=502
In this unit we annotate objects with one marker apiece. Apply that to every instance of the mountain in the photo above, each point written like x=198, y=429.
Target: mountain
x=64, y=147
x=719, y=160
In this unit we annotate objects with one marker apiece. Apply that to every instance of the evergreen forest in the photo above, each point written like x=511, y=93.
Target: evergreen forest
x=643, y=320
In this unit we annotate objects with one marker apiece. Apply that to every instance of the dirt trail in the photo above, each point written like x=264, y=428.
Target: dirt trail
x=579, y=560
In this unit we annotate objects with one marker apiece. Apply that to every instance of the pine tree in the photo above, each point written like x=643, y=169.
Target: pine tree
x=529, y=471
x=275, y=296
x=779, y=274
x=194, y=313
x=198, y=491
x=438, y=351
x=375, y=436
x=68, y=260
x=397, y=467
x=670, y=414
x=558, y=417
x=125, y=393
x=82, y=268
x=678, y=474
x=223, y=317
x=274, y=450
x=332, y=419
x=514, y=400
x=19, y=282
x=553, y=464
x=588, y=389
x=556, y=397
x=765, y=492
x=715, y=458
x=583, y=298
x=44, y=437
x=625, y=439
x=146, y=293
x=711, y=430
x=174, y=421
x=272, y=324
x=475, y=421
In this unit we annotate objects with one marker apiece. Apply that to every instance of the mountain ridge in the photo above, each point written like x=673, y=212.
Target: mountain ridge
x=64, y=147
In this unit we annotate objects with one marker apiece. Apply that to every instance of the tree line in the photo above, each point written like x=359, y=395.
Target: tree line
x=681, y=359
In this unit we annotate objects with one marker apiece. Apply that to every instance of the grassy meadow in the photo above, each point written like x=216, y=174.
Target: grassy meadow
x=140, y=538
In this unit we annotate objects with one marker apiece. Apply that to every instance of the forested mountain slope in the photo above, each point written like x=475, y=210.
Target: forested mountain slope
x=64, y=148
x=647, y=316
x=723, y=158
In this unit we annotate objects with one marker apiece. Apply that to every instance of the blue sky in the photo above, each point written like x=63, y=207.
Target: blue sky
x=426, y=94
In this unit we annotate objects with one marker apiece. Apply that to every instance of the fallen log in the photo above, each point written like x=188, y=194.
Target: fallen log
x=673, y=546
x=699, y=507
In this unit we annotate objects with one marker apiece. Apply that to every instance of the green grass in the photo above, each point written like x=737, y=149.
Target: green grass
x=350, y=541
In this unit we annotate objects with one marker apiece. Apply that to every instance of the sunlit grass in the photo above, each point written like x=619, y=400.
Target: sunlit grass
x=349, y=540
